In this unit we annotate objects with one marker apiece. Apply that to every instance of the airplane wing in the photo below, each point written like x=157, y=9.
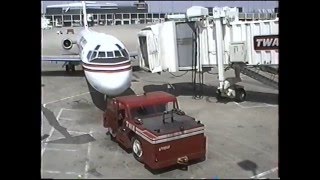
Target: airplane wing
x=61, y=58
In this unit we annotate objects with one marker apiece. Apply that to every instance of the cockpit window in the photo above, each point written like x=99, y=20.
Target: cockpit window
x=123, y=51
x=117, y=53
x=89, y=55
x=97, y=47
x=94, y=54
x=109, y=54
x=118, y=46
x=102, y=54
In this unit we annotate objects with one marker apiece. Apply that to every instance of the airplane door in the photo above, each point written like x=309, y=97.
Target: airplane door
x=149, y=52
x=153, y=53
x=144, y=51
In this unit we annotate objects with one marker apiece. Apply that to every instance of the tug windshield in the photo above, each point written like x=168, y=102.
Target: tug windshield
x=150, y=110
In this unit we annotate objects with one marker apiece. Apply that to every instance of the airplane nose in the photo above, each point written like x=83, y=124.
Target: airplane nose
x=111, y=84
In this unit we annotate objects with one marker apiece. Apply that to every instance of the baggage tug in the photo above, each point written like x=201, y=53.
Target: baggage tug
x=159, y=134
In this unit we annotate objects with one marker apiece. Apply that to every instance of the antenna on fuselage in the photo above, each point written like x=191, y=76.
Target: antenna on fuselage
x=84, y=10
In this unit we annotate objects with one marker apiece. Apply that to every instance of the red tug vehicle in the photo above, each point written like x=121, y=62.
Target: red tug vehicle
x=159, y=134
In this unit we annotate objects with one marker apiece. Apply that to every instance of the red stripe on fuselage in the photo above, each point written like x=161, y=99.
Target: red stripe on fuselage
x=107, y=71
x=107, y=65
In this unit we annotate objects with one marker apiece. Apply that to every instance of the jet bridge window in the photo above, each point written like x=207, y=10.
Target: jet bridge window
x=102, y=54
x=109, y=54
x=117, y=53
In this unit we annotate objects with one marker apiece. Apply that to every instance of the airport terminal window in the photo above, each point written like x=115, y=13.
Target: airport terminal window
x=102, y=54
x=89, y=55
x=109, y=54
x=117, y=53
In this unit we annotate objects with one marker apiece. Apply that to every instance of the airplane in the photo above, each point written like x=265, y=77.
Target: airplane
x=104, y=59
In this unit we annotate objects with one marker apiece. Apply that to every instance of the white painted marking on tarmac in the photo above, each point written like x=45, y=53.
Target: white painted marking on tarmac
x=88, y=159
x=66, y=98
x=76, y=110
x=258, y=106
x=41, y=122
x=41, y=111
x=50, y=134
x=264, y=173
x=45, y=143
x=78, y=132
x=66, y=119
x=59, y=172
x=52, y=172
x=271, y=105
x=72, y=173
x=57, y=149
x=237, y=104
x=249, y=107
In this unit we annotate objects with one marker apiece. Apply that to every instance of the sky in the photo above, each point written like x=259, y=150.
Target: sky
x=182, y=6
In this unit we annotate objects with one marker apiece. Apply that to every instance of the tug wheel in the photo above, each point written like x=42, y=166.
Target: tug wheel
x=137, y=149
x=240, y=95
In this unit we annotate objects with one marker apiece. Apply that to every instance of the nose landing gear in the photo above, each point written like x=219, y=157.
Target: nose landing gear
x=70, y=68
x=236, y=92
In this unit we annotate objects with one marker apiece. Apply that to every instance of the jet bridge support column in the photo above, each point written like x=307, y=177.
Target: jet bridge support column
x=219, y=46
x=227, y=86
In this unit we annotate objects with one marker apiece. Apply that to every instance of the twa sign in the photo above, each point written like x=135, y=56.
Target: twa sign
x=270, y=42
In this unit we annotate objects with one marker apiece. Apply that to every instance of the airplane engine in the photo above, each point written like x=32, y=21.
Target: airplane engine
x=67, y=44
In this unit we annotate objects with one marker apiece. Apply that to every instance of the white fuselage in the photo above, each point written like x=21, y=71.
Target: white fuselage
x=105, y=61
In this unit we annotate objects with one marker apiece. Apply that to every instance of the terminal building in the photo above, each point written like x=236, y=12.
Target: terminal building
x=66, y=15
x=102, y=14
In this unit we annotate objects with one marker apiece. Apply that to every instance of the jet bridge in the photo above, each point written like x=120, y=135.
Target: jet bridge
x=202, y=42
